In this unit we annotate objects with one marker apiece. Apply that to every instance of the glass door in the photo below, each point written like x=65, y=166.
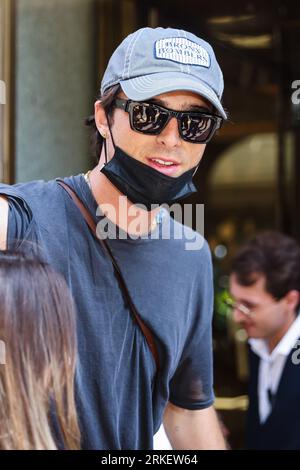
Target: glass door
x=6, y=90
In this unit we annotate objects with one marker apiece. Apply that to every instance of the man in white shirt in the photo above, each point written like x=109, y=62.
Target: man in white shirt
x=265, y=289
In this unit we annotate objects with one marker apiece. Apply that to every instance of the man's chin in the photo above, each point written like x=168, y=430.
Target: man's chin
x=251, y=331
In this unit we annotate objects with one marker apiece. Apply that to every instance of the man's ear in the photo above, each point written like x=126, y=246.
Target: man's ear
x=101, y=119
x=292, y=299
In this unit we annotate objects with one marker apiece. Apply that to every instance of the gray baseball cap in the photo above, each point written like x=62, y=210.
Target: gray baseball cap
x=152, y=61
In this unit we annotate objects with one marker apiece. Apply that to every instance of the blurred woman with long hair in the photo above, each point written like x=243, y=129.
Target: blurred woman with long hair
x=37, y=329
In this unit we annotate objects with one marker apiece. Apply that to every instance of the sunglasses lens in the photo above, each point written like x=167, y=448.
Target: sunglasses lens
x=196, y=129
x=148, y=118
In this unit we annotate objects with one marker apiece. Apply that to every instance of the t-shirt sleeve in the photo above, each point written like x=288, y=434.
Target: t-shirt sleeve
x=19, y=216
x=191, y=386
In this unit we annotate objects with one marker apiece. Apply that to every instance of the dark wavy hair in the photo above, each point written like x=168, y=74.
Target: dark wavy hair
x=274, y=255
x=107, y=101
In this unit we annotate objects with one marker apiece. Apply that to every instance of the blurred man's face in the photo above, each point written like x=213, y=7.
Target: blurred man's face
x=268, y=317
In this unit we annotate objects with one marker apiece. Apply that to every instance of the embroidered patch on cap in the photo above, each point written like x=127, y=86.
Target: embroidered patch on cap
x=183, y=51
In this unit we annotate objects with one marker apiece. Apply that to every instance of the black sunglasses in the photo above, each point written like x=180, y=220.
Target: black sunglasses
x=149, y=118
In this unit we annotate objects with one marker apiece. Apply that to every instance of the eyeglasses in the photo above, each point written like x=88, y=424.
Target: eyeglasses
x=238, y=306
x=251, y=311
x=150, y=118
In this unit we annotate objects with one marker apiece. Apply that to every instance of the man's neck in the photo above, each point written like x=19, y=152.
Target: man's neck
x=119, y=209
x=276, y=338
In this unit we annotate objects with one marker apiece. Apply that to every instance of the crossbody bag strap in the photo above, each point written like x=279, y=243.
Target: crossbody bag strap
x=92, y=225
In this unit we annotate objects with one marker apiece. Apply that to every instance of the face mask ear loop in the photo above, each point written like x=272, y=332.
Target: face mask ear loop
x=112, y=138
x=104, y=141
x=195, y=171
x=105, y=151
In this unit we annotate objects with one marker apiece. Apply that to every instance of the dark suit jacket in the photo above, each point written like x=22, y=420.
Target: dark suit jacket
x=281, y=430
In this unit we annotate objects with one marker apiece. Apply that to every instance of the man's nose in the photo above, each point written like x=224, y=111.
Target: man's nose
x=170, y=136
x=237, y=316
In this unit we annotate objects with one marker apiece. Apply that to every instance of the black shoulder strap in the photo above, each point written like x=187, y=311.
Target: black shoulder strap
x=92, y=225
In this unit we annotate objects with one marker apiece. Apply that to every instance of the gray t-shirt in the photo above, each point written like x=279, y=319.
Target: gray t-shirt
x=120, y=397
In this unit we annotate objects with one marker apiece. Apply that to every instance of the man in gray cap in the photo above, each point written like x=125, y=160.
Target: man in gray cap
x=144, y=301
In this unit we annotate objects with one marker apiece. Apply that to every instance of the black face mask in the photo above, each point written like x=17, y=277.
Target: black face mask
x=143, y=184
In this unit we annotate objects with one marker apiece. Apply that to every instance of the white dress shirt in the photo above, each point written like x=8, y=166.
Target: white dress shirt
x=271, y=365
